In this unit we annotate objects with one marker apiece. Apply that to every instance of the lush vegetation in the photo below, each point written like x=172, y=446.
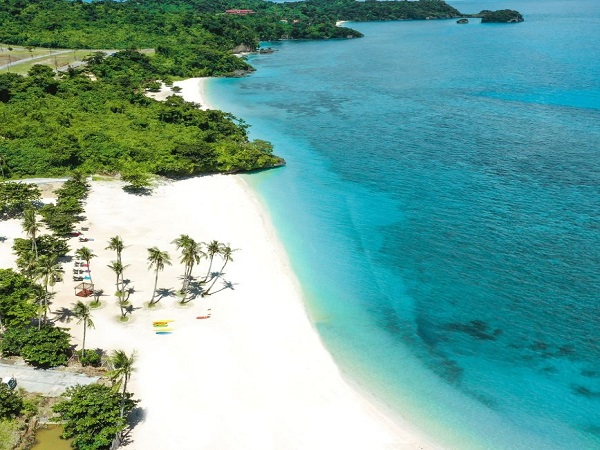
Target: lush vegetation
x=16, y=197
x=98, y=119
x=199, y=24
x=54, y=126
x=46, y=347
x=501, y=16
x=62, y=216
x=18, y=296
x=92, y=415
x=11, y=403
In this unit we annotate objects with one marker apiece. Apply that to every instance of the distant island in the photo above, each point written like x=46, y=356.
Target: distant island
x=500, y=16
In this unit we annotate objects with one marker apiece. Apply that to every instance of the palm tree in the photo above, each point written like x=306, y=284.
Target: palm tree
x=87, y=255
x=30, y=266
x=226, y=252
x=118, y=269
x=82, y=312
x=157, y=259
x=190, y=255
x=31, y=227
x=116, y=243
x=49, y=271
x=213, y=248
x=121, y=373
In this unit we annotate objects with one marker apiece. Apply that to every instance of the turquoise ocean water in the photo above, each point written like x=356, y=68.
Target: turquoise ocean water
x=441, y=208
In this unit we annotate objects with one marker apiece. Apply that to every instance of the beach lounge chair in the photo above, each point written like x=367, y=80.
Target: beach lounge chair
x=206, y=315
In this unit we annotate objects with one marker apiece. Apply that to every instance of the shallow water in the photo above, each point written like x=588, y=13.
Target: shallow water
x=48, y=438
x=441, y=209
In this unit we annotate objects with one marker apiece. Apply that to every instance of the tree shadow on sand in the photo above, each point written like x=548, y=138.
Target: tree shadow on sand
x=139, y=191
x=63, y=315
x=194, y=291
x=136, y=416
x=226, y=285
x=163, y=293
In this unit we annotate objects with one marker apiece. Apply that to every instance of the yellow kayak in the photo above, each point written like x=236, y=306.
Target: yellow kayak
x=162, y=330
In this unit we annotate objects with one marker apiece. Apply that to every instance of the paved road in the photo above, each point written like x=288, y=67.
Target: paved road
x=21, y=61
x=50, y=383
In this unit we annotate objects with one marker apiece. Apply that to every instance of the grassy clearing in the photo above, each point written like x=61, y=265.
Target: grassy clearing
x=22, y=58
x=9, y=434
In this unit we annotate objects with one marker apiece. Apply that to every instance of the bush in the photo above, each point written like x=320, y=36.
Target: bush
x=11, y=402
x=90, y=358
x=47, y=245
x=47, y=347
x=92, y=415
x=17, y=298
x=11, y=343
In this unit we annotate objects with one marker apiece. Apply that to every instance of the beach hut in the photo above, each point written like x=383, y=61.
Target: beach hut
x=84, y=289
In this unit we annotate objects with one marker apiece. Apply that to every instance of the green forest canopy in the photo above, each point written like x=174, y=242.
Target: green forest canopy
x=97, y=119
x=150, y=23
x=53, y=126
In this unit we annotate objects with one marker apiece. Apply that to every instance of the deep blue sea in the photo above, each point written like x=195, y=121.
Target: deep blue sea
x=441, y=208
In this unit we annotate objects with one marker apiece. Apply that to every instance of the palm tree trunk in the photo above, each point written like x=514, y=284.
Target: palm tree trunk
x=209, y=267
x=186, y=278
x=87, y=261
x=216, y=278
x=83, y=343
x=46, y=302
x=119, y=293
x=123, y=396
x=154, y=291
x=189, y=277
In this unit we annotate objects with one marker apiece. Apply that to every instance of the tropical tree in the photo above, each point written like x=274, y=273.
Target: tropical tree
x=226, y=254
x=17, y=197
x=79, y=178
x=48, y=346
x=90, y=415
x=212, y=248
x=190, y=255
x=118, y=269
x=18, y=295
x=86, y=254
x=11, y=402
x=29, y=265
x=123, y=367
x=48, y=271
x=31, y=227
x=157, y=259
x=116, y=243
x=82, y=312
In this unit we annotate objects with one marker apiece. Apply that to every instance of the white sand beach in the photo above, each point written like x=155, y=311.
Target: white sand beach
x=192, y=90
x=254, y=375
